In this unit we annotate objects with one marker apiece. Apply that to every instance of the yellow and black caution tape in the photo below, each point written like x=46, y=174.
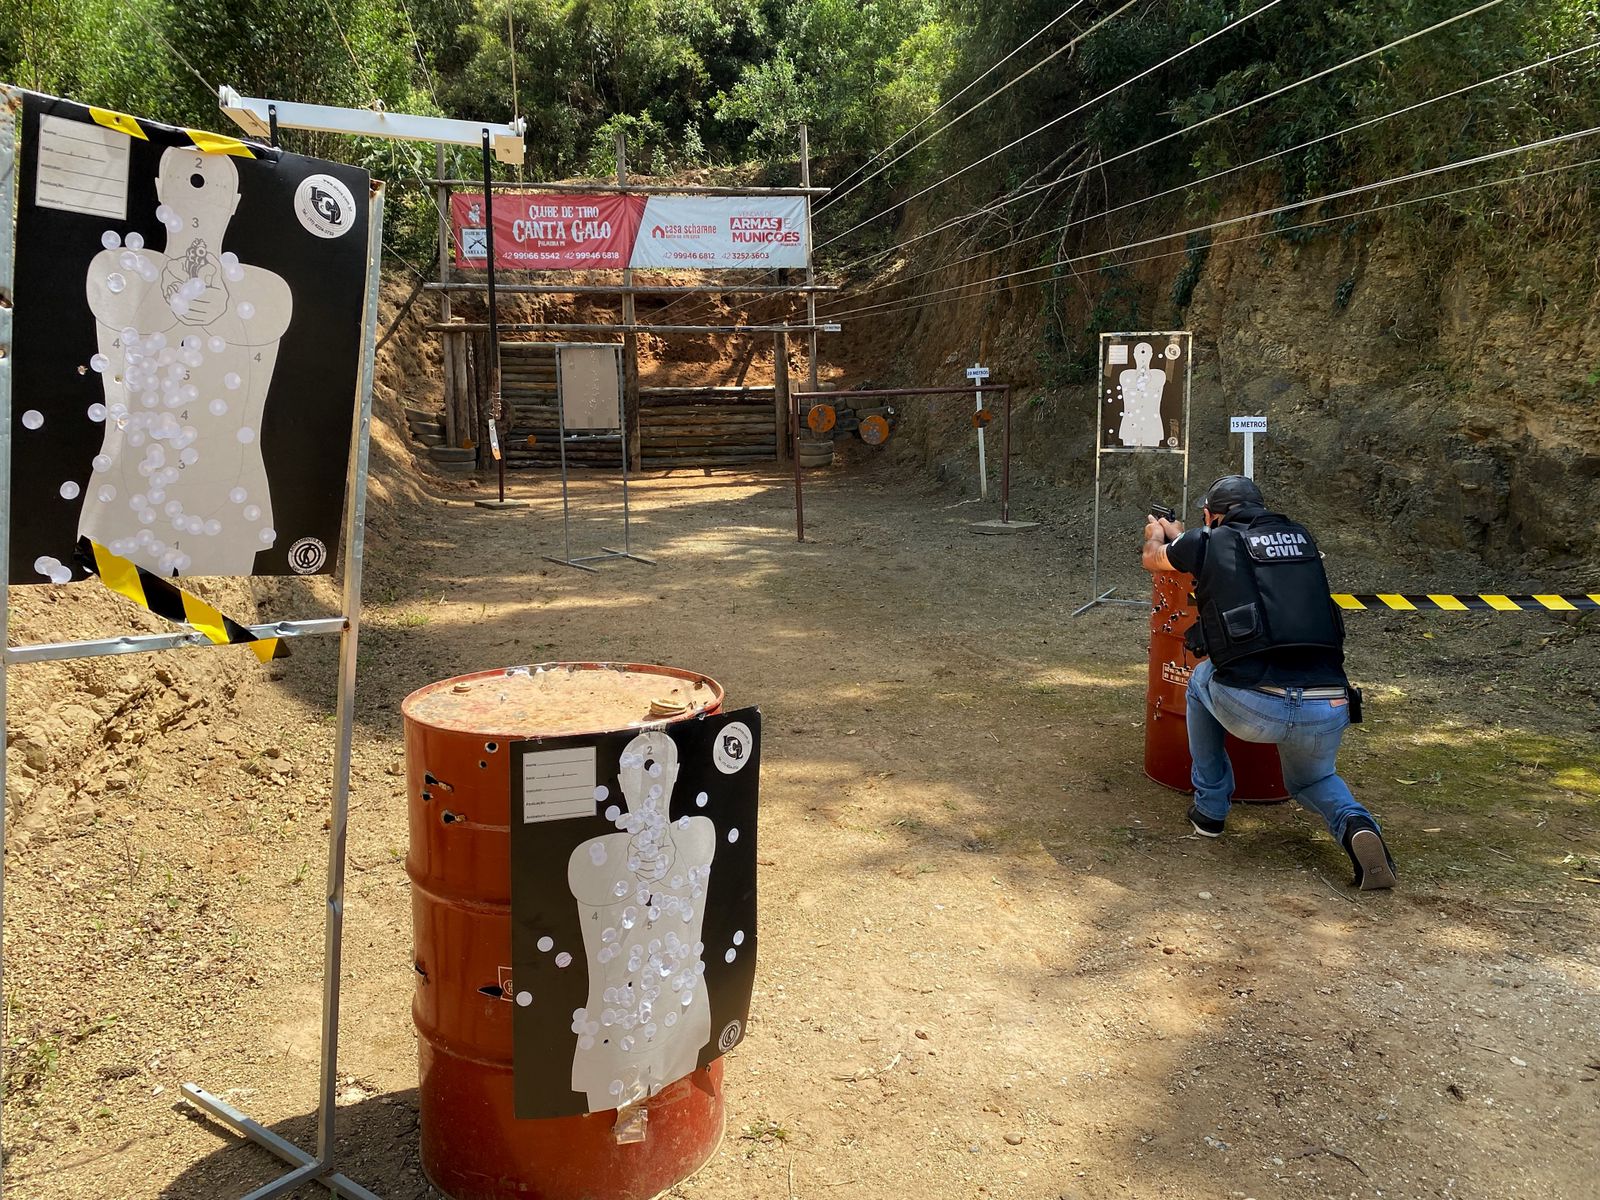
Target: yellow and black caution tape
x=1484, y=602
x=165, y=599
x=200, y=139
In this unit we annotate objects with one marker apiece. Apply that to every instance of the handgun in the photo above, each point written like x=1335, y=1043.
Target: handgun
x=1164, y=512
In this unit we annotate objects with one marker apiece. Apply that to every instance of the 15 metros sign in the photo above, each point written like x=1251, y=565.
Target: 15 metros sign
x=572, y=232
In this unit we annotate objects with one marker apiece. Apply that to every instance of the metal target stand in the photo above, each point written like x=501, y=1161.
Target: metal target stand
x=308, y=1168
x=563, y=439
x=1101, y=450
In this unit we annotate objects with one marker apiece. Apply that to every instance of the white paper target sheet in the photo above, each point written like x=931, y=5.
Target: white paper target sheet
x=187, y=345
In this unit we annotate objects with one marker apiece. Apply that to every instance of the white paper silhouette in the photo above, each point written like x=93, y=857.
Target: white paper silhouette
x=641, y=897
x=188, y=339
x=1141, y=390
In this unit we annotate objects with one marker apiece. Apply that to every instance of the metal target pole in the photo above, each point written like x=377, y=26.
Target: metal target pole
x=320, y=1168
x=496, y=402
x=1188, y=385
x=10, y=105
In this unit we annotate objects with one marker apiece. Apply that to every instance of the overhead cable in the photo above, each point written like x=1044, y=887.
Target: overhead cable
x=1256, y=162
x=1491, y=156
x=1060, y=50
x=1238, y=108
x=1349, y=216
x=1056, y=120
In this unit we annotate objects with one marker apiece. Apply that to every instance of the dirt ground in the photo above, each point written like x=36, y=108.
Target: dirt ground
x=994, y=961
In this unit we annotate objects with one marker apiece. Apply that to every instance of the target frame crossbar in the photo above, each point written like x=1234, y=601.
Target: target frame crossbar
x=563, y=439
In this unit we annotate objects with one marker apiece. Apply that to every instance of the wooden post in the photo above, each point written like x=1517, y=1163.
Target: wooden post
x=465, y=390
x=782, y=415
x=811, y=272
x=630, y=340
x=453, y=434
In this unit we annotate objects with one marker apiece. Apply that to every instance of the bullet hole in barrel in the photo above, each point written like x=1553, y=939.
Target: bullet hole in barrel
x=491, y=747
x=483, y=765
x=448, y=817
x=419, y=968
x=427, y=795
x=493, y=989
x=432, y=781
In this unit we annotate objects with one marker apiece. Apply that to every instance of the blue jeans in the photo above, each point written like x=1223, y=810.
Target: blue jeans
x=1307, y=734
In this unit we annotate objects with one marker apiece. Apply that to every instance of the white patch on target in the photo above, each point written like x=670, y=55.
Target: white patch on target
x=307, y=556
x=733, y=747
x=324, y=206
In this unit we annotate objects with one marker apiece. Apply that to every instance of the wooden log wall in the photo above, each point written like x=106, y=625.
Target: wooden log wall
x=679, y=427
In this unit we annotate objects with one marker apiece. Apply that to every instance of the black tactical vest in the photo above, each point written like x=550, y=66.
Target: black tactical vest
x=1262, y=587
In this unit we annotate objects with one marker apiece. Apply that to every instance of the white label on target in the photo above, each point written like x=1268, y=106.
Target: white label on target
x=82, y=168
x=1247, y=424
x=558, y=784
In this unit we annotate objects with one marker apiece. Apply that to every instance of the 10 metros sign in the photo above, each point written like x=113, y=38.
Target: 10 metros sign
x=534, y=231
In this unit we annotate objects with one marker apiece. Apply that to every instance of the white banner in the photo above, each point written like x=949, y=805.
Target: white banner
x=722, y=232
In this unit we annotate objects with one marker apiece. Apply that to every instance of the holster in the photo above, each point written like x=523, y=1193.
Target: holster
x=1353, y=695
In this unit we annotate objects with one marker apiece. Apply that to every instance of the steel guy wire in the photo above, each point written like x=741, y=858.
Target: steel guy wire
x=162, y=38
x=836, y=195
x=1069, y=45
x=416, y=43
x=361, y=73
x=1049, y=25
x=1491, y=156
x=1349, y=216
x=839, y=195
x=1056, y=120
x=1272, y=95
x=1197, y=182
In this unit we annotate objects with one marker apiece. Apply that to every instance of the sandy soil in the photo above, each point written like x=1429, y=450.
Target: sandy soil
x=994, y=962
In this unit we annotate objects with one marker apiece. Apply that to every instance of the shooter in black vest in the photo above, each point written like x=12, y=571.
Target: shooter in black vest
x=1273, y=669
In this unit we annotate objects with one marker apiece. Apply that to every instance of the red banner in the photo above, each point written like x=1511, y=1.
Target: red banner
x=547, y=232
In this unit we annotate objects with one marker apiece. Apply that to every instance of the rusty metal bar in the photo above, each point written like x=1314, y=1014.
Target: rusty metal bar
x=596, y=327
x=606, y=289
x=864, y=393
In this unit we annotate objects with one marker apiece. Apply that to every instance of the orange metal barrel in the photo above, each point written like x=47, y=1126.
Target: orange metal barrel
x=1257, y=774
x=458, y=784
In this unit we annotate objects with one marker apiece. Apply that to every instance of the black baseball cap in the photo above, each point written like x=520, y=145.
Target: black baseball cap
x=1231, y=490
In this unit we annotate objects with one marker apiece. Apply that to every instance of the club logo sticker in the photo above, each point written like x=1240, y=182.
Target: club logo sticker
x=307, y=556
x=325, y=206
x=732, y=749
x=730, y=1036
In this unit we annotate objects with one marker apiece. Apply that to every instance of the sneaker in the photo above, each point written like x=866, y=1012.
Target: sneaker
x=1203, y=825
x=1370, y=857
